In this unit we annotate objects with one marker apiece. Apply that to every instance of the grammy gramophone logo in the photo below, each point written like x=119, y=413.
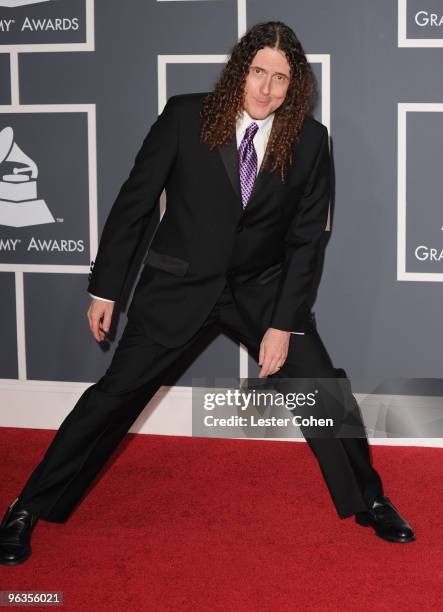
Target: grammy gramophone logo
x=19, y=205
x=14, y=3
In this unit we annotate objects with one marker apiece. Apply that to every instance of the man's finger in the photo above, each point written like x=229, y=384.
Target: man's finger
x=95, y=327
x=265, y=367
x=91, y=326
x=106, y=320
x=273, y=366
x=262, y=354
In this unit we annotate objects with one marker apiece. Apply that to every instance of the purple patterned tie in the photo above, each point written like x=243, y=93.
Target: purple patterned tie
x=247, y=162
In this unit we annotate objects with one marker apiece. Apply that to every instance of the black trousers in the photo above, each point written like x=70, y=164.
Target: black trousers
x=106, y=410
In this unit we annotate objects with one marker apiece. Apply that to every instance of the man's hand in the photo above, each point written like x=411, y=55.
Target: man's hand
x=99, y=316
x=273, y=351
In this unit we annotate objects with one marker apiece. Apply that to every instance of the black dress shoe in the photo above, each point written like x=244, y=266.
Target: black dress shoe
x=386, y=521
x=15, y=535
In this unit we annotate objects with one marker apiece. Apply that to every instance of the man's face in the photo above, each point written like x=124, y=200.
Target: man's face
x=266, y=82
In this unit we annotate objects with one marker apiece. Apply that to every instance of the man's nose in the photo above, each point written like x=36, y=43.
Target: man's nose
x=266, y=86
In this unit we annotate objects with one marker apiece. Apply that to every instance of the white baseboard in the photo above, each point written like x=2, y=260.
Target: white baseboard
x=44, y=405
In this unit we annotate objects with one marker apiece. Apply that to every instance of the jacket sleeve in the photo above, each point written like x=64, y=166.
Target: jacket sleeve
x=303, y=243
x=134, y=206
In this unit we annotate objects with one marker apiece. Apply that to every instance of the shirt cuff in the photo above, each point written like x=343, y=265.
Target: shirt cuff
x=299, y=333
x=100, y=298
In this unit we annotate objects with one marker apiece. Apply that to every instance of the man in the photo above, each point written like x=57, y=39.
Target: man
x=246, y=174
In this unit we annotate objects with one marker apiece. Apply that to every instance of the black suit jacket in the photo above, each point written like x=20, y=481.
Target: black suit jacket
x=267, y=252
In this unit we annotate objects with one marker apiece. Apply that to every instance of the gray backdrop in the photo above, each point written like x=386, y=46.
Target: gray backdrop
x=372, y=323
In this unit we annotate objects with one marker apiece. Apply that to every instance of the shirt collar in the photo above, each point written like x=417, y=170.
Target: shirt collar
x=264, y=125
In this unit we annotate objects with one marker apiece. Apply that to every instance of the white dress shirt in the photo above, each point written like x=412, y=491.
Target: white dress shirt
x=260, y=142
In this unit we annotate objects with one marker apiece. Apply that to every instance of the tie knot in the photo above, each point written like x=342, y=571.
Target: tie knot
x=250, y=131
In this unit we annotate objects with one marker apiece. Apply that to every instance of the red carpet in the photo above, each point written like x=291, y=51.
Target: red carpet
x=193, y=524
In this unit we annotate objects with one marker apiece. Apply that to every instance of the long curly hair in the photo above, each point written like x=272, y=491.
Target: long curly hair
x=222, y=107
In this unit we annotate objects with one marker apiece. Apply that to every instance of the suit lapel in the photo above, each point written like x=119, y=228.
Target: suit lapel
x=228, y=153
